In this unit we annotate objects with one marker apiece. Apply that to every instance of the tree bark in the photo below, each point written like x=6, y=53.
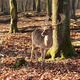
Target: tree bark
x=38, y=9
x=2, y=5
x=49, y=8
x=74, y=4
x=34, y=5
x=55, y=47
x=13, y=14
x=67, y=47
x=62, y=46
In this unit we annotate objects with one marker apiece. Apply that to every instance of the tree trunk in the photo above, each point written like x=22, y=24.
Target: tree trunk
x=13, y=14
x=73, y=7
x=49, y=8
x=55, y=47
x=34, y=5
x=61, y=34
x=2, y=5
x=38, y=9
x=67, y=47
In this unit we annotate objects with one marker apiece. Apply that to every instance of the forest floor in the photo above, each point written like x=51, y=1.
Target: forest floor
x=15, y=46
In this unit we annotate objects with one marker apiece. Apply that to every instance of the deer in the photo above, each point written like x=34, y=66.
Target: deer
x=41, y=38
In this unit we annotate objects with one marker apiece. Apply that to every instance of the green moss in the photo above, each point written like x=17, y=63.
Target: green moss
x=52, y=52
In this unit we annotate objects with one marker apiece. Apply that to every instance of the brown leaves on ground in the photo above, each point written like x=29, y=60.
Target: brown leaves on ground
x=64, y=70
x=14, y=46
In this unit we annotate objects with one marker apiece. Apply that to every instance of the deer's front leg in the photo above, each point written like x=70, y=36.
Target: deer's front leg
x=43, y=56
x=32, y=52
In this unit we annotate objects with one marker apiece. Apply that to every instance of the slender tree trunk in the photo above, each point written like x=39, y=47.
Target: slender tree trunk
x=73, y=7
x=13, y=14
x=2, y=6
x=34, y=5
x=38, y=9
x=49, y=8
x=55, y=47
x=6, y=6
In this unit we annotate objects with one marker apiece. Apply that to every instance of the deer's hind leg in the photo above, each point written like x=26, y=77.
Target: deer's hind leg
x=34, y=53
